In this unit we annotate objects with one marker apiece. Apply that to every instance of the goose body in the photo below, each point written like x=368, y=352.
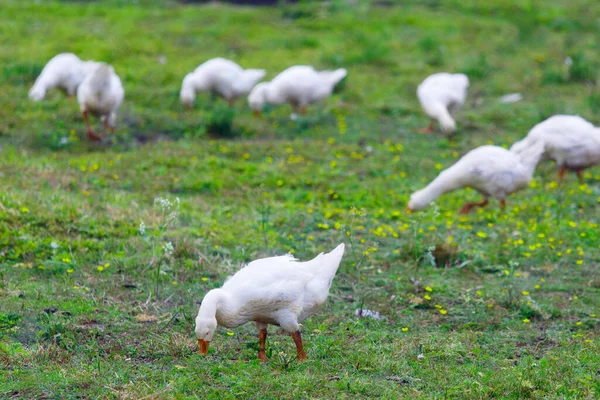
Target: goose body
x=101, y=93
x=491, y=170
x=569, y=140
x=441, y=95
x=64, y=71
x=278, y=290
x=219, y=76
x=298, y=86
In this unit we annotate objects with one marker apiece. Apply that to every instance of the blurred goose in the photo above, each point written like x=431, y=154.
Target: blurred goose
x=100, y=93
x=279, y=291
x=64, y=71
x=441, y=95
x=571, y=141
x=221, y=77
x=491, y=170
x=299, y=86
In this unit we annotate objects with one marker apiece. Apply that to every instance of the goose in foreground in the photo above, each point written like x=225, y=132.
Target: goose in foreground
x=571, y=141
x=441, y=95
x=299, y=86
x=279, y=291
x=100, y=93
x=491, y=170
x=64, y=71
x=221, y=77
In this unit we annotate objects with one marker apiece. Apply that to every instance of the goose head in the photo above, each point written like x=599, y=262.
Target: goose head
x=205, y=329
x=37, y=93
x=419, y=200
x=187, y=94
x=258, y=97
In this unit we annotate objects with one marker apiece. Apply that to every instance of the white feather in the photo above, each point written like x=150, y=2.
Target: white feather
x=491, y=170
x=101, y=93
x=299, y=86
x=278, y=290
x=442, y=94
x=569, y=140
x=220, y=76
x=64, y=71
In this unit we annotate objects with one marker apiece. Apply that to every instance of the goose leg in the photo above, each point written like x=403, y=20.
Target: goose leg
x=579, y=175
x=468, y=206
x=429, y=128
x=230, y=102
x=262, y=340
x=561, y=173
x=298, y=341
x=90, y=133
x=105, y=125
x=503, y=204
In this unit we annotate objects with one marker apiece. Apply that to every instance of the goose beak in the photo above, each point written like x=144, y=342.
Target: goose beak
x=408, y=210
x=203, y=346
x=256, y=113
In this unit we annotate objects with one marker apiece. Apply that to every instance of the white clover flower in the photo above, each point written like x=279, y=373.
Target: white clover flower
x=162, y=203
x=436, y=210
x=142, y=228
x=429, y=256
x=168, y=248
x=172, y=217
x=568, y=62
x=165, y=205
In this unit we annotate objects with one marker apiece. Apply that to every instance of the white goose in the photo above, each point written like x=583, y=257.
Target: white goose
x=100, y=93
x=571, y=141
x=299, y=86
x=221, y=77
x=277, y=290
x=491, y=170
x=440, y=95
x=64, y=71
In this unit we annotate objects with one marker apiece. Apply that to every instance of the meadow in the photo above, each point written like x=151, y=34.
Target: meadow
x=100, y=282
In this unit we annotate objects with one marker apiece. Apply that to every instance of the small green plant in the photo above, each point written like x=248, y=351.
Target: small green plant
x=8, y=322
x=433, y=51
x=581, y=68
x=220, y=122
x=478, y=67
x=593, y=101
x=161, y=249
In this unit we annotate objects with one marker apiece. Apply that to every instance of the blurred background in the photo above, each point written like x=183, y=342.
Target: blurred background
x=100, y=281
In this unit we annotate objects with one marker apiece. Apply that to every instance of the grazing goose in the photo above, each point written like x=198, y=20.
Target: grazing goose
x=64, y=71
x=571, y=141
x=491, y=170
x=278, y=290
x=100, y=93
x=299, y=86
x=441, y=95
x=221, y=77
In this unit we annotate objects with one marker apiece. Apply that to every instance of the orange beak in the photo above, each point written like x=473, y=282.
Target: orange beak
x=256, y=113
x=203, y=346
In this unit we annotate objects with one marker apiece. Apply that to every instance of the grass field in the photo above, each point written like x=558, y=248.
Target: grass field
x=490, y=305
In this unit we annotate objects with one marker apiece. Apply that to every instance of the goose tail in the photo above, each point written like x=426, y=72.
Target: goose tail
x=530, y=156
x=336, y=76
x=327, y=264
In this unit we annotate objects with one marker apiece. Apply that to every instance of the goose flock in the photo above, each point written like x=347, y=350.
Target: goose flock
x=281, y=290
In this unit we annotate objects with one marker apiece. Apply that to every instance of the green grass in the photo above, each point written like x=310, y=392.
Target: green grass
x=499, y=305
